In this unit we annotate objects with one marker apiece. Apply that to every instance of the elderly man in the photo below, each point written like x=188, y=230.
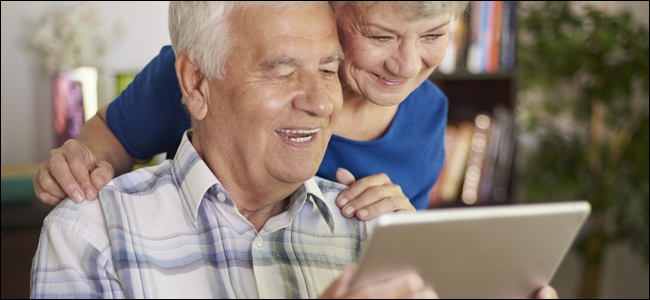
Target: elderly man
x=237, y=213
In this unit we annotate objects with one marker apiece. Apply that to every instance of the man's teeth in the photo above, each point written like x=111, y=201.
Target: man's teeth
x=299, y=140
x=298, y=131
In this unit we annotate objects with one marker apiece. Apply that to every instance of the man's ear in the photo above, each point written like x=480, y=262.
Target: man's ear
x=192, y=83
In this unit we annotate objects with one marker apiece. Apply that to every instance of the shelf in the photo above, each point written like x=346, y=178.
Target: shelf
x=436, y=76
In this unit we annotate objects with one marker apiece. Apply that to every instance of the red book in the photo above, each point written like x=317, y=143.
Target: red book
x=496, y=41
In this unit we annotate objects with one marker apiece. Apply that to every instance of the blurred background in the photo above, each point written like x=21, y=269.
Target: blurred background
x=548, y=102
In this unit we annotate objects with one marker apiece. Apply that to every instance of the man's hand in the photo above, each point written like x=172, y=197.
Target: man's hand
x=71, y=170
x=547, y=292
x=371, y=196
x=408, y=286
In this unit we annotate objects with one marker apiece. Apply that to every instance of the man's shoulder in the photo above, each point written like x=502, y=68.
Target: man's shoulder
x=331, y=191
x=89, y=218
x=143, y=180
x=328, y=186
x=85, y=220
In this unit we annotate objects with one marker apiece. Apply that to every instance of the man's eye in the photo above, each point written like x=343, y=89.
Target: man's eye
x=328, y=72
x=285, y=76
x=380, y=38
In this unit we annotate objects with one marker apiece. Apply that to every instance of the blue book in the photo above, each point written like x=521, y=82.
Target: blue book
x=483, y=35
x=507, y=61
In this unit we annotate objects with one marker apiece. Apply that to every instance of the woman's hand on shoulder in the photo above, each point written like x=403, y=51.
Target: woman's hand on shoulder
x=370, y=197
x=71, y=170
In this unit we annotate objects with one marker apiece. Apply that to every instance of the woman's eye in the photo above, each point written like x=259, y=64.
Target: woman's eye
x=432, y=37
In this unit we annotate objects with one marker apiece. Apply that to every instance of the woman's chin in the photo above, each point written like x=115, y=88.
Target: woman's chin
x=386, y=99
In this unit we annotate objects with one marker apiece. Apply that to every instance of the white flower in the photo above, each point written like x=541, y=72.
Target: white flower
x=74, y=38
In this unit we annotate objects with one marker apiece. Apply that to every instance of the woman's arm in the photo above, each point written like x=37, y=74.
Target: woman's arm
x=146, y=119
x=81, y=167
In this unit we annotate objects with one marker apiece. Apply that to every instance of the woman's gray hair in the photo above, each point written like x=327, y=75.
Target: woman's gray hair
x=412, y=10
x=203, y=28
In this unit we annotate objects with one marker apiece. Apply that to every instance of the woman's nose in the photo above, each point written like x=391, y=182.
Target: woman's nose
x=405, y=61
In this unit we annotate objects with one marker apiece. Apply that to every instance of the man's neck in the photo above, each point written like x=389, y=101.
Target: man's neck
x=256, y=201
x=259, y=217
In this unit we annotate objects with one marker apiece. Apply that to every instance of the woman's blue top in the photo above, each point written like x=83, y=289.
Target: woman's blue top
x=148, y=118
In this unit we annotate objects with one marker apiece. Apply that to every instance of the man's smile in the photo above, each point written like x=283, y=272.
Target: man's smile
x=298, y=135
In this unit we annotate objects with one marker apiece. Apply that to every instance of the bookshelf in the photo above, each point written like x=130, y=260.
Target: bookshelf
x=479, y=80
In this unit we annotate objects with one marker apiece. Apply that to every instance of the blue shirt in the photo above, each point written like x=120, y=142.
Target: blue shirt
x=148, y=118
x=173, y=231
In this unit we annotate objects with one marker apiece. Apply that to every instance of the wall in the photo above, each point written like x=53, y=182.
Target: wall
x=27, y=133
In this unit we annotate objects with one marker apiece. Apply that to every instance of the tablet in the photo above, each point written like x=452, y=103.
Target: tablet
x=507, y=251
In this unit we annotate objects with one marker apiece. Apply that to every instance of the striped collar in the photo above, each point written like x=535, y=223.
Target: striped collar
x=196, y=182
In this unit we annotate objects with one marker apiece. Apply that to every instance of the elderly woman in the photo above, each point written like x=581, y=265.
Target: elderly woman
x=391, y=127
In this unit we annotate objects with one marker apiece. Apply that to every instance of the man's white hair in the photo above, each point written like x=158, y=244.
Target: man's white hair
x=203, y=28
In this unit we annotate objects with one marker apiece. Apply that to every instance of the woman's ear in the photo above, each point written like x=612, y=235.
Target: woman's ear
x=191, y=81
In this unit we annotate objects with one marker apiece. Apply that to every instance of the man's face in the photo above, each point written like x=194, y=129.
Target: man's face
x=272, y=115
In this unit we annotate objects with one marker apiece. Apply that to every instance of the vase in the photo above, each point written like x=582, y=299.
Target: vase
x=75, y=101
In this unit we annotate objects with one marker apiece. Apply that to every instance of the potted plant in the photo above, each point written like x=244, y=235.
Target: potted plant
x=583, y=98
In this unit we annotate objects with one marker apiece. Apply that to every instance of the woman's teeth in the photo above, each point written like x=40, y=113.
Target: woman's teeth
x=384, y=78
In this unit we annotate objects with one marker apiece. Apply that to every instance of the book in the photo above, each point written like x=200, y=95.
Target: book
x=475, y=37
x=490, y=156
x=505, y=155
x=478, y=161
x=507, y=59
x=482, y=126
x=493, y=67
x=482, y=40
x=489, y=36
x=457, y=148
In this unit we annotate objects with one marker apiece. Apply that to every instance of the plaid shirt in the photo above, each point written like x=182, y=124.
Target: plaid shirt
x=173, y=231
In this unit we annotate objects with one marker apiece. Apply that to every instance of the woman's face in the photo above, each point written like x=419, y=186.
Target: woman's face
x=387, y=56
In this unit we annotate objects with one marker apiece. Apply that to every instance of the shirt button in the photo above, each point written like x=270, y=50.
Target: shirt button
x=221, y=197
x=259, y=242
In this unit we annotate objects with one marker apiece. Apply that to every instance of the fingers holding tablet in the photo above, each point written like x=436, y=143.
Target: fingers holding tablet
x=547, y=292
x=405, y=286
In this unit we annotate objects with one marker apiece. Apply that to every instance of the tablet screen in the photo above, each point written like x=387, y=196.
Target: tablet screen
x=507, y=251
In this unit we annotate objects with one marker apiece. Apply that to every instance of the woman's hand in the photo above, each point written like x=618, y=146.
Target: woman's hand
x=71, y=170
x=371, y=196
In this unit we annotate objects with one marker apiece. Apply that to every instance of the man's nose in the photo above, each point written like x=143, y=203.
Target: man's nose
x=314, y=98
x=405, y=61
